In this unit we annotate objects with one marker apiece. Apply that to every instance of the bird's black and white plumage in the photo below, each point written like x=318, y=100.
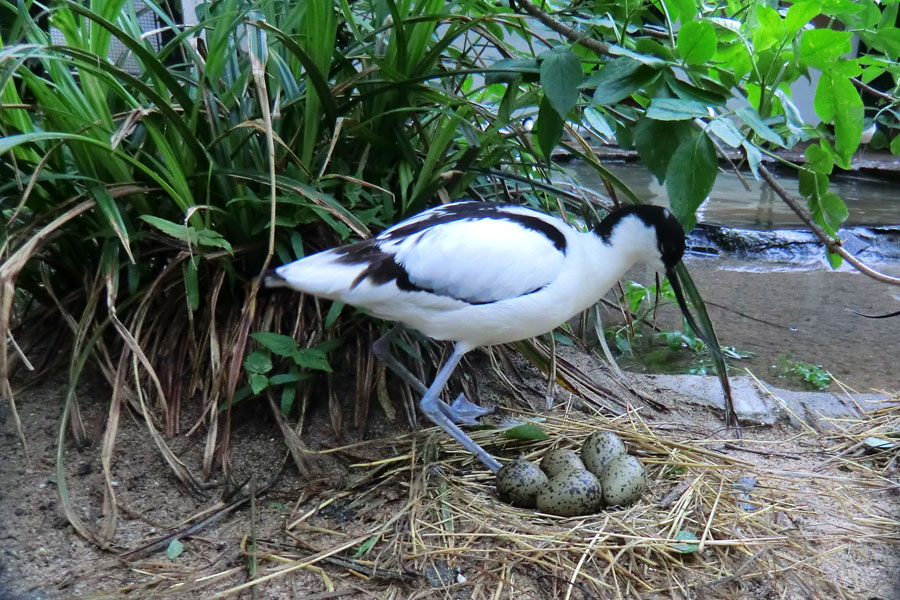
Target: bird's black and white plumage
x=480, y=274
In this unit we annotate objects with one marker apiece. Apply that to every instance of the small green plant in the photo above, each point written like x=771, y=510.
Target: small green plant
x=301, y=364
x=659, y=349
x=814, y=377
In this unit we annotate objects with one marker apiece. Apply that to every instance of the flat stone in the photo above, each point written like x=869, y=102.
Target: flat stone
x=764, y=404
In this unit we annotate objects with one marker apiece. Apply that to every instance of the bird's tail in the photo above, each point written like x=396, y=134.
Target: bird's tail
x=271, y=278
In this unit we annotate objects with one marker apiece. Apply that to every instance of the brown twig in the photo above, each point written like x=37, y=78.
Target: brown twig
x=873, y=91
x=831, y=244
x=571, y=34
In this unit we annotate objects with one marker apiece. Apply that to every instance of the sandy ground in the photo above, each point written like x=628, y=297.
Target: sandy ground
x=42, y=557
x=805, y=315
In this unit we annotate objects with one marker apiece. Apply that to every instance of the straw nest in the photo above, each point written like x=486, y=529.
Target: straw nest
x=800, y=516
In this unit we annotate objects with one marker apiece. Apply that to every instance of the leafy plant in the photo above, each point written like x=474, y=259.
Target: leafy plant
x=658, y=348
x=303, y=362
x=814, y=377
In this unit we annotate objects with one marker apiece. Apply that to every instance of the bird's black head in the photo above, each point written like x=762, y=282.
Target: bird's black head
x=669, y=232
x=669, y=241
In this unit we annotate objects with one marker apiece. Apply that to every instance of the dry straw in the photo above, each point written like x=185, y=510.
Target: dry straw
x=760, y=517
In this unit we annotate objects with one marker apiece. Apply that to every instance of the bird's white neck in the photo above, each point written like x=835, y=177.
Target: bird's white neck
x=631, y=242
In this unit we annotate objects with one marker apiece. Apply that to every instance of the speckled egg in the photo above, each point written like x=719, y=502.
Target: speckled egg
x=623, y=479
x=570, y=493
x=599, y=448
x=518, y=483
x=557, y=461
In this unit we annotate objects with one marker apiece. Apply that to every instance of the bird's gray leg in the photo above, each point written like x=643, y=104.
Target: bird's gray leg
x=382, y=350
x=460, y=411
x=436, y=410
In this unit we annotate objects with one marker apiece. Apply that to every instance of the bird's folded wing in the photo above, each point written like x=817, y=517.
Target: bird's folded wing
x=478, y=261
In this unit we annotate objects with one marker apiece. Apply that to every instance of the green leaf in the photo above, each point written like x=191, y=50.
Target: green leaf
x=811, y=183
x=888, y=41
x=333, y=313
x=799, y=14
x=686, y=91
x=834, y=210
x=835, y=260
x=288, y=395
x=822, y=48
x=561, y=74
x=650, y=61
x=838, y=101
x=624, y=135
x=257, y=362
x=888, y=14
x=870, y=73
x=188, y=234
x=332, y=344
x=657, y=141
x=283, y=378
x=549, y=128
x=528, y=431
x=107, y=205
x=596, y=121
x=791, y=112
x=191, y=285
x=258, y=382
x=527, y=69
x=754, y=157
x=282, y=345
x=769, y=30
x=690, y=177
x=297, y=244
x=696, y=42
x=843, y=7
x=618, y=79
x=685, y=9
x=759, y=127
x=312, y=358
x=563, y=339
x=871, y=15
x=676, y=109
x=366, y=546
x=829, y=211
x=686, y=536
x=819, y=160
x=175, y=549
x=727, y=131
x=895, y=146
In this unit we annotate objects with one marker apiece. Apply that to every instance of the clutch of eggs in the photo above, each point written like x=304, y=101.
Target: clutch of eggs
x=569, y=484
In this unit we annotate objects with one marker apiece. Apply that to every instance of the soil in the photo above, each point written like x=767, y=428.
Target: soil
x=41, y=556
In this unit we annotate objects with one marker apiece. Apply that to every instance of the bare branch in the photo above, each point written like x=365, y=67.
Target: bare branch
x=832, y=244
x=872, y=90
x=570, y=34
